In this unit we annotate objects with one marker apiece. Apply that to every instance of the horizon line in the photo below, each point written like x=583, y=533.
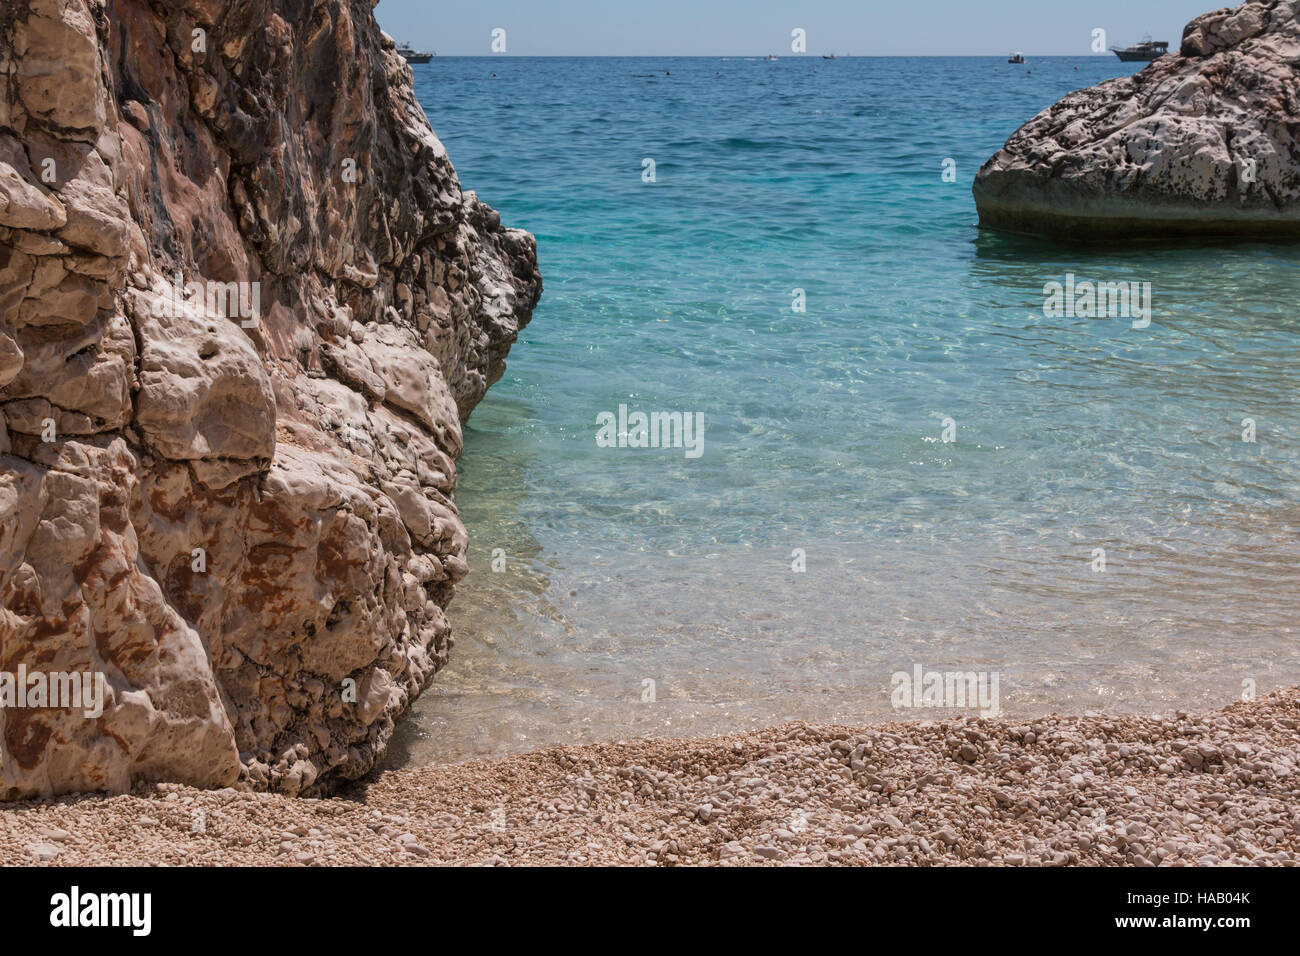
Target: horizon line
x=760, y=56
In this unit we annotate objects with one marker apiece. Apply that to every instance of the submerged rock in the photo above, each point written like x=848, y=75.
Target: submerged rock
x=245, y=308
x=1199, y=143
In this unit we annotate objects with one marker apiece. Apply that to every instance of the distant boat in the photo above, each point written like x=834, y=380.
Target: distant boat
x=412, y=56
x=771, y=57
x=830, y=56
x=1016, y=58
x=1143, y=52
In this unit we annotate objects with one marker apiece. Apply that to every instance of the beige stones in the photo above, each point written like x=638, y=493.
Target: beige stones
x=1198, y=143
x=244, y=523
x=1217, y=788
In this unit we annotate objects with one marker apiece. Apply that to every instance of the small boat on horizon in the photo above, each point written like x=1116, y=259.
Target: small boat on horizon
x=1016, y=58
x=771, y=57
x=1143, y=52
x=828, y=56
x=412, y=56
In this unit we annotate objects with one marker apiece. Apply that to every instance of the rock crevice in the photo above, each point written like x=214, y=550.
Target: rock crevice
x=245, y=309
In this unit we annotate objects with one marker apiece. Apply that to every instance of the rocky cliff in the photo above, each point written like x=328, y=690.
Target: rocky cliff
x=1202, y=142
x=245, y=308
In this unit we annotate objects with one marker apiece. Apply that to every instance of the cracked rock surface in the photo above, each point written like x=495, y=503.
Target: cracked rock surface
x=1202, y=142
x=243, y=518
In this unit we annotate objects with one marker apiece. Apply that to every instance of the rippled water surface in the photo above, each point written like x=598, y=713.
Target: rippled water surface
x=823, y=429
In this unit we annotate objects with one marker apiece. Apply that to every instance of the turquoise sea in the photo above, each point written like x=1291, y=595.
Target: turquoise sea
x=824, y=429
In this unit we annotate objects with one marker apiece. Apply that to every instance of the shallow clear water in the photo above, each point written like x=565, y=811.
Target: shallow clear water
x=823, y=429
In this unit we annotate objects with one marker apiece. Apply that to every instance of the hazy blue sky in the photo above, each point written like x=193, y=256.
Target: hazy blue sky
x=704, y=27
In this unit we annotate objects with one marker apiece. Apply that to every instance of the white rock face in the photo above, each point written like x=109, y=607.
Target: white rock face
x=245, y=522
x=1198, y=143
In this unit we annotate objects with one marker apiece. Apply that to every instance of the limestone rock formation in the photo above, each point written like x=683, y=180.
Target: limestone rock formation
x=1202, y=142
x=245, y=308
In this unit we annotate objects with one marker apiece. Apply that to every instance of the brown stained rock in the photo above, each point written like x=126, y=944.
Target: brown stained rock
x=24, y=205
x=204, y=392
x=1199, y=142
x=246, y=525
x=11, y=359
x=57, y=60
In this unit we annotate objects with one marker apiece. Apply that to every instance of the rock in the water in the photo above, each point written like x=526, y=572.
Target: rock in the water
x=245, y=308
x=1199, y=143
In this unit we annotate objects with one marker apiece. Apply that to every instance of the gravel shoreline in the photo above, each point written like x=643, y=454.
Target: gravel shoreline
x=1182, y=789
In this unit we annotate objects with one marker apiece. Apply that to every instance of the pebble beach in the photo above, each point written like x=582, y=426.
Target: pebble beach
x=1216, y=788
